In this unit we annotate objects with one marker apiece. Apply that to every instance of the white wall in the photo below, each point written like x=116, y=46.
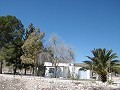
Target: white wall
x=66, y=70
x=84, y=74
x=88, y=74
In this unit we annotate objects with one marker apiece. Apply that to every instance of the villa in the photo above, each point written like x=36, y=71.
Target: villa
x=67, y=70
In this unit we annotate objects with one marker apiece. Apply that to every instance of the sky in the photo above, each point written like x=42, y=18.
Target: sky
x=83, y=24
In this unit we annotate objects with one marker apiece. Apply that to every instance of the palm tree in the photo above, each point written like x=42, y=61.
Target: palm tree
x=103, y=62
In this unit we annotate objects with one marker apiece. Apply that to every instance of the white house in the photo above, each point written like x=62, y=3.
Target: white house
x=67, y=70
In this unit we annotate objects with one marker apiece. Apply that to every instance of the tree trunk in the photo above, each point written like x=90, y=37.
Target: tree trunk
x=25, y=71
x=36, y=71
x=0, y=67
x=15, y=67
x=14, y=70
x=33, y=71
x=55, y=71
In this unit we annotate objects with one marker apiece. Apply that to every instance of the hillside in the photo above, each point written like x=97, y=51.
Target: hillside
x=11, y=82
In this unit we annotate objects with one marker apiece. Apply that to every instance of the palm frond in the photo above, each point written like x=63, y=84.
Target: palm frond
x=103, y=61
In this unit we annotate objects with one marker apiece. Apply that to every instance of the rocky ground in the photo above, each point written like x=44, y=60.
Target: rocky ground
x=11, y=82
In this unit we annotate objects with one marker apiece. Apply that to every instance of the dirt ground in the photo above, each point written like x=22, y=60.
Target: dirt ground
x=11, y=82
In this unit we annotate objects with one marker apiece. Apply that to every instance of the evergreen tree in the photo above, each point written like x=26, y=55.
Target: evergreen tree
x=32, y=47
x=11, y=38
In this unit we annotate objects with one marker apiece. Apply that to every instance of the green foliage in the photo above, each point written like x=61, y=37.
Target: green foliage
x=32, y=47
x=29, y=30
x=2, y=54
x=11, y=33
x=10, y=29
x=102, y=62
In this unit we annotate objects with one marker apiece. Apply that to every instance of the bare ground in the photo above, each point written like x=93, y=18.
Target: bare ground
x=11, y=82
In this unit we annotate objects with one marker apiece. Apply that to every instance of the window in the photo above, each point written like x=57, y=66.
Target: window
x=51, y=70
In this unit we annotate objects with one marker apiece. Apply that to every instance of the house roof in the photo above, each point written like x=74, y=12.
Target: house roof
x=69, y=64
x=80, y=64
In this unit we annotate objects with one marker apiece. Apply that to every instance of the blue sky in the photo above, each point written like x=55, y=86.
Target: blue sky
x=84, y=24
